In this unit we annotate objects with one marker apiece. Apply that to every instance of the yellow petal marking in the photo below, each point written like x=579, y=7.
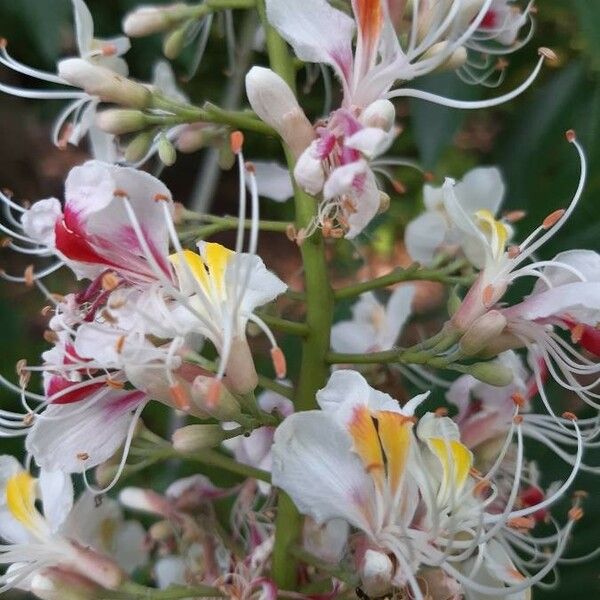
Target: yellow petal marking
x=20, y=499
x=366, y=443
x=395, y=433
x=456, y=460
x=216, y=258
x=496, y=229
x=196, y=265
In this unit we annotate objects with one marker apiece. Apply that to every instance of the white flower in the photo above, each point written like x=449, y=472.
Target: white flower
x=477, y=198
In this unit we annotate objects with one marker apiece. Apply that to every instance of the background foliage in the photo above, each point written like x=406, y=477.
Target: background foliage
x=525, y=138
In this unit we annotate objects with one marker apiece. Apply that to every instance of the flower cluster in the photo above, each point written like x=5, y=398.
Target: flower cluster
x=314, y=484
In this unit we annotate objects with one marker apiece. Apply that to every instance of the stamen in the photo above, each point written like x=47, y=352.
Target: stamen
x=577, y=333
x=29, y=276
x=569, y=416
x=83, y=456
x=553, y=218
x=236, y=141
x=115, y=385
x=161, y=198
x=518, y=399
x=576, y=513
x=514, y=216
x=120, y=343
x=571, y=135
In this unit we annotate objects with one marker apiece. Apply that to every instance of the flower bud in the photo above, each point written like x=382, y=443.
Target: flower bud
x=376, y=573
x=226, y=157
x=274, y=102
x=139, y=146
x=107, y=85
x=193, y=438
x=97, y=567
x=147, y=20
x=193, y=138
x=226, y=407
x=380, y=113
x=491, y=372
x=309, y=173
x=482, y=331
x=119, y=121
x=241, y=374
x=59, y=584
x=174, y=43
x=166, y=152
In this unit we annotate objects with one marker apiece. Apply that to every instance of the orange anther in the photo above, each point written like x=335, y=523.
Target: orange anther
x=214, y=393
x=63, y=141
x=115, y=385
x=442, y=411
x=514, y=216
x=553, y=218
x=577, y=333
x=5, y=242
x=83, y=456
x=548, y=54
x=501, y=64
x=28, y=419
x=47, y=310
x=576, y=513
x=488, y=295
x=179, y=396
x=580, y=494
x=236, y=141
x=569, y=416
x=3, y=43
x=250, y=167
x=398, y=186
x=279, y=363
x=108, y=317
x=29, y=276
x=481, y=487
x=513, y=251
x=109, y=50
x=161, y=198
x=521, y=523
x=475, y=472
x=518, y=399
x=50, y=336
x=119, y=193
x=290, y=232
x=120, y=344
x=518, y=419
x=428, y=176
x=110, y=281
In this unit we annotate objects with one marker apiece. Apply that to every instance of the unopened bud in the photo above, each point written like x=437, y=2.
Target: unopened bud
x=119, y=121
x=193, y=138
x=274, y=102
x=193, y=438
x=491, y=372
x=376, y=573
x=225, y=408
x=174, y=43
x=60, y=584
x=147, y=20
x=166, y=151
x=226, y=157
x=380, y=113
x=139, y=146
x=104, y=83
x=482, y=331
x=97, y=567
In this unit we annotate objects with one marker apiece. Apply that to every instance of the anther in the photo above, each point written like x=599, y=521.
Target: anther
x=475, y=472
x=50, y=336
x=108, y=317
x=428, y=176
x=553, y=218
x=577, y=333
x=119, y=193
x=569, y=416
x=518, y=399
x=513, y=251
x=46, y=310
x=3, y=43
x=236, y=141
x=524, y=523
x=514, y=216
x=398, y=186
x=250, y=167
x=279, y=363
x=161, y=198
x=115, y=385
x=580, y=494
x=5, y=242
x=336, y=233
x=548, y=54
x=518, y=419
x=481, y=487
x=488, y=295
x=63, y=141
x=300, y=236
x=110, y=281
x=179, y=396
x=501, y=64
x=29, y=276
x=571, y=135
x=442, y=411
x=120, y=344
x=109, y=50
x=83, y=456
x=291, y=233
x=28, y=419
x=576, y=513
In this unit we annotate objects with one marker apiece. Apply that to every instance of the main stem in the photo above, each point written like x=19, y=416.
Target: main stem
x=319, y=317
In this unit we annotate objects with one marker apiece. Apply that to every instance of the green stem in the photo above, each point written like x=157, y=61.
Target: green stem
x=274, y=386
x=133, y=590
x=213, y=458
x=232, y=222
x=314, y=369
x=445, y=274
x=335, y=571
x=285, y=326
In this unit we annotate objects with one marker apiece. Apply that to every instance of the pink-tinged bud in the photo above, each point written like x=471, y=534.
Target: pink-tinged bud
x=376, y=573
x=147, y=20
x=119, y=121
x=224, y=408
x=308, y=173
x=107, y=85
x=194, y=438
x=61, y=584
x=97, y=567
x=274, y=102
x=380, y=113
x=482, y=332
x=241, y=377
x=193, y=138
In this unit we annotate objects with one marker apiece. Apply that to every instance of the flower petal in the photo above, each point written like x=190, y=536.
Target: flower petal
x=273, y=181
x=424, y=235
x=56, y=490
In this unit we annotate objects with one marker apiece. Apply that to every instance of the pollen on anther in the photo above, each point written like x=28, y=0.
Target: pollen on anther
x=161, y=198
x=3, y=43
x=580, y=494
x=279, y=362
x=513, y=251
x=442, y=411
x=290, y=232
x=569, y=416
x=547, y=53
x=398, y=186
x=514, y=216
x=110, y=281
x=120, y=344
x=518, y=419
x=28, y=419
x=577, y=333
x=518, y=399
x=576, y=513
x=119, y=193
x=29, y=276
x=236, y=141
x=83, y=456
x=115, y=385
x=5, y=242
x=571, y=135
x=553, y=218
x=109, y=50
x=250, y=167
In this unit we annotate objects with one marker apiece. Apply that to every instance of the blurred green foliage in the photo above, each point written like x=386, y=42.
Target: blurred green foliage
x=525, y=138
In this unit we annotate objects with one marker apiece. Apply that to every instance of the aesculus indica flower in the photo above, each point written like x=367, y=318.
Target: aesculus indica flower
x=86, y=539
